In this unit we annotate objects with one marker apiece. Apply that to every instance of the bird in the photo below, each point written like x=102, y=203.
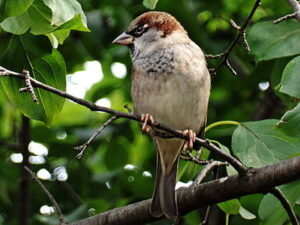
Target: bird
x=170, y=84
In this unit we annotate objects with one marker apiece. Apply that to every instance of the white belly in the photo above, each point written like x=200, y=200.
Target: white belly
x=178, y=96
x=176, y=101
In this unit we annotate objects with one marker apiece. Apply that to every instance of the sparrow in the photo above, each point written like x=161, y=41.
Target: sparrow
x=170, y=85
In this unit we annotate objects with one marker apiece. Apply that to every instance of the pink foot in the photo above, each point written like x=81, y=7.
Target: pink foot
x=188, y=145
x=145, y=118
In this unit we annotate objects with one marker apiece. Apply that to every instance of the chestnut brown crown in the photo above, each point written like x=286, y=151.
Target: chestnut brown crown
x=161, y=21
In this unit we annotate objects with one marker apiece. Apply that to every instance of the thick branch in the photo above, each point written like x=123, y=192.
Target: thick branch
x=256, y=181
x=92, y=106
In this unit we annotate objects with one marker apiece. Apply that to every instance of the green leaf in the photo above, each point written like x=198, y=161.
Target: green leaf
x=51, y=21
x=45, y=64
x=290, y=122
x=261, y=143
x=16, y=25
x=150, y=4
x=269, y=41
x=37, y=18
x=58, y=37
x=290, y=81
x=10, y=8
x=271, y=210
x=231, y=207
x=188, y=170
x=63, y=11
x=230, y=170
x=78, y=22
x=234, y=207
x=246, y=214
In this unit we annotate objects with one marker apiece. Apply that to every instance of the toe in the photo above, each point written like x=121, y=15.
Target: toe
x=192, y=138
x=185, y=132
x=147, y=118
x=151, y=119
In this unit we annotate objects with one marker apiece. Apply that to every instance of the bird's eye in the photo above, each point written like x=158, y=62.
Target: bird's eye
x=139, y=30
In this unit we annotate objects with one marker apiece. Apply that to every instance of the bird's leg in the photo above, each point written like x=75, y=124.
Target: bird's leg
x=145, y=118
x=188, y=145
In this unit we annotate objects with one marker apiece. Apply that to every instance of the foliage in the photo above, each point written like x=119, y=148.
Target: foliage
x=51, y=39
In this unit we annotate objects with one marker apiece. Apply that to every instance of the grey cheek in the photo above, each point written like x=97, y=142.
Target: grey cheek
x=151, y=39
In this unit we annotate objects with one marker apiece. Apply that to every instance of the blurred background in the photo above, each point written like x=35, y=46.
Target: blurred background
x=119, y=166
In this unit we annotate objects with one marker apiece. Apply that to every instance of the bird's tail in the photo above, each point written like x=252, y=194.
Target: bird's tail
x=164, y=199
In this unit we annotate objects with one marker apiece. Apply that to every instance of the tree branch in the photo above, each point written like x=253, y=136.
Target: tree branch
x=206, y=169
x=82, y=148
x=25, y=198
x=188, y=156
x=258, y=180
x=28, y=86
x=296, y=14
x=213, y=215
x=93, y=107
x=285, y=203
x=241, y=34
x=51, y=198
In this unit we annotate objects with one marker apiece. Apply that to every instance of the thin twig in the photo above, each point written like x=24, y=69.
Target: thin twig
x=285, y=203
x=286, y=17
x=209, y=209
x=296, y=15
x=231, y=68
x=207, y=213
x=211, y=165
x=26, y=76
x=245, y=42
x=82, y=148
x=128, y=108
x=296, y=7
x=5, y=72
x=244, y=37
x=234, y=25
x=238, y=36
x=93, y=107
x=188, y=156
x=28, y=86
x=51, y=198
x=214, y=56
x=25, y=184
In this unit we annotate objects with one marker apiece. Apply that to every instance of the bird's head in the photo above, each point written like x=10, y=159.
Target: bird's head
x=152, y=31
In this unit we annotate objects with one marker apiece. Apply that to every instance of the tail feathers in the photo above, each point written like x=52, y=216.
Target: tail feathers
x=155, y=208
x=164, y=199
x=168, y=198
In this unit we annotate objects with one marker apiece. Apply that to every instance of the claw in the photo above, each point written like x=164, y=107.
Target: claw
x=192, y=138
x=146, y=117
